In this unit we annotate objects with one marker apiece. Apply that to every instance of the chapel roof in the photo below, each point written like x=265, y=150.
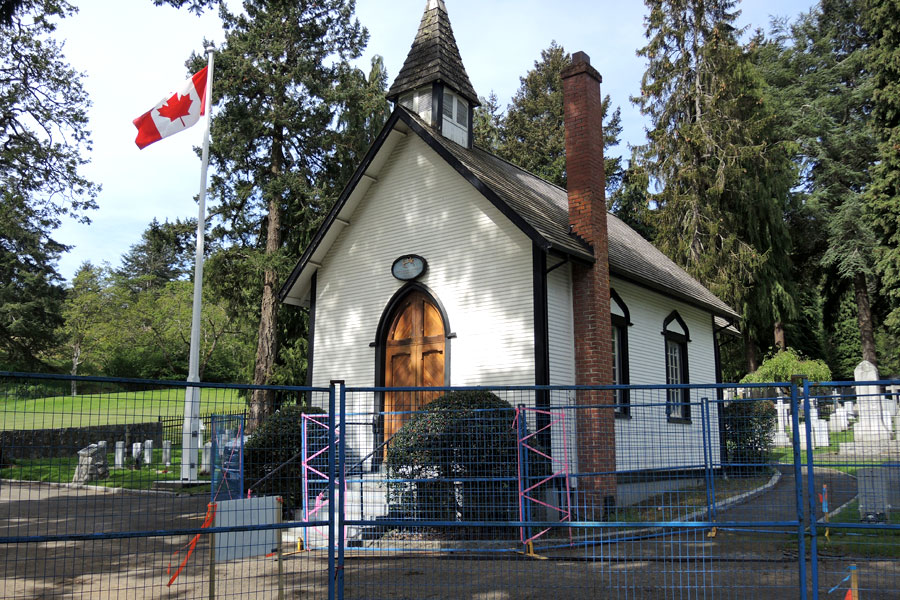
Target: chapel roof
x=545, y=207
x=539, y=208
x=433, y=56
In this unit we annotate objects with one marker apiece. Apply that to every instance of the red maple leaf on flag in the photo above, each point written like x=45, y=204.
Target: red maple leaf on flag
x=176, y=107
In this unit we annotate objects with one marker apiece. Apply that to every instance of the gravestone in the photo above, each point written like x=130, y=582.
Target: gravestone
x=782, y=410
x=148, y=452
x=874, y=494
x=819, y=428
x=206, y=459
x=167, y=453
x=92, y=465
x=871, y=427
x=136, y=448
x=120, y=455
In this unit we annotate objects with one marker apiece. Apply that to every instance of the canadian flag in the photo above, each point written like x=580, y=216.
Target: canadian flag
x=176, y=112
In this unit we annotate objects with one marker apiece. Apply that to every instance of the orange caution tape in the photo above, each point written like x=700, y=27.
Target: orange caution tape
x=207, y=522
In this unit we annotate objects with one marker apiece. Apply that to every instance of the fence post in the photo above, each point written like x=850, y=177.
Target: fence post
x=704, y=421
x=798, y=483
x=811, y=483
x=342, y=453
x=524, y=505
x=331, y=488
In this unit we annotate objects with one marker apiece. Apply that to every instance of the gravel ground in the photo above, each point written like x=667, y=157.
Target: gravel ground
x=733, y=564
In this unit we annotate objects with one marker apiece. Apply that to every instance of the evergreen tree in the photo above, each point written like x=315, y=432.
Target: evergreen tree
x=830, y=88
x=883, y=197
x=725, y=178
x=43, y=141
x=487, y=123
x=631, y=201
x=165, y=253
x=276, y=80
x=532, y=134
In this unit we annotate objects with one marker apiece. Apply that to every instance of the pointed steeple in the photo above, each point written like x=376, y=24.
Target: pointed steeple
x=434, y=57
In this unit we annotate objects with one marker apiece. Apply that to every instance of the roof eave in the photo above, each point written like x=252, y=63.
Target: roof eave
x=726, y=312
x=331, y=217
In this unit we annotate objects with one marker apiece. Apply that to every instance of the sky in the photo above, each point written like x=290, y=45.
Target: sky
x=132, y=54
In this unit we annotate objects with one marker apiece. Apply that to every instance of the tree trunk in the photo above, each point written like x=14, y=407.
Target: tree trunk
x=750, y=353
x=864, y=317
x=780, y=343
x=262, y=402
x=76, y=358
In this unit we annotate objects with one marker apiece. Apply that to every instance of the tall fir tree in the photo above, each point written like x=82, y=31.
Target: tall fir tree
x=532, y=134
x=724, y=181
x=487, y=122
x=276, y=88
x=824, y=89
x=883, y=199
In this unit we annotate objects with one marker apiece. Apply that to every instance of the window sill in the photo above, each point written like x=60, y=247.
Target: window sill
x=679, y=420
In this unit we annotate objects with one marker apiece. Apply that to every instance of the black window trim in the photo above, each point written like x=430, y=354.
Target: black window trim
x=682, y=339
x=622, y=323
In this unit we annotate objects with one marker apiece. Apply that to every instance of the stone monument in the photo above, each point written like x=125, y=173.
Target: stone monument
x=782, y=410
x=871, y=427
x=92, y=464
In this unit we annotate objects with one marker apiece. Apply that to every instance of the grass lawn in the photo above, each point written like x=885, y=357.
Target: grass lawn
x=109, y=408
x=785, y=455
x=860, y=542
x=61, y=470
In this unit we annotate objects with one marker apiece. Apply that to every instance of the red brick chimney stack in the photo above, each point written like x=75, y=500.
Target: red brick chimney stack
x=587, y=217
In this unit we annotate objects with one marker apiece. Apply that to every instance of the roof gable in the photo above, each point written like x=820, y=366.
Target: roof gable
x=538, y=208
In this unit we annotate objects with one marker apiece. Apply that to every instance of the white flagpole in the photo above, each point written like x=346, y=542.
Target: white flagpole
x=190, y=437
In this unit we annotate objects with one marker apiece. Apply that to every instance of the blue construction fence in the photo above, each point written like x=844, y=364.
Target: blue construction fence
x=783, y=489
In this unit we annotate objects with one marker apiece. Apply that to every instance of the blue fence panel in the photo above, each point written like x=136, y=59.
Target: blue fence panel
x=696, y=491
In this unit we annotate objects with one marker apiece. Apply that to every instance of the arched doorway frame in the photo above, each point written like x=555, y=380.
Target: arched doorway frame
x=381, y=333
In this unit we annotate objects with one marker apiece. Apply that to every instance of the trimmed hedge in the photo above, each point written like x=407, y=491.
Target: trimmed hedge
x=749, y=427
x=459, y=455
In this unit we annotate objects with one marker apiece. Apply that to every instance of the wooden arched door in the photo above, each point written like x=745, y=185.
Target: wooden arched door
x=414, y=357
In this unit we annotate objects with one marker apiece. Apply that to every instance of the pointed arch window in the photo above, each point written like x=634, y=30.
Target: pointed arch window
x=677, y=338
x=620, y=321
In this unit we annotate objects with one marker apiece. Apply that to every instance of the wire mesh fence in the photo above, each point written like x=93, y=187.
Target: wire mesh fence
x=720, y=491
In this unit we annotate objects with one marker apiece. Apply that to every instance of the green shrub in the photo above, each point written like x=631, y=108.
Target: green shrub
x=749, y=427
x=461, y=453
x=275, y=445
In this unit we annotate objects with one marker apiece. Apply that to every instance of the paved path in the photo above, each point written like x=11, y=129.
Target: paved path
x=780, y=503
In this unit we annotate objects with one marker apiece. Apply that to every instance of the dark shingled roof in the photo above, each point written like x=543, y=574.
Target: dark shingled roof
x=545, y=207
x=434, y=56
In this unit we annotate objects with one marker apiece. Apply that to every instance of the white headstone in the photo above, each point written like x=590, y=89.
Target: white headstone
x=136, y=451
x=782, y=410
x=206, y=460
x=167, y=453
x=872, y=426
x=148, y=452
x=819, y=428
x=120, y=455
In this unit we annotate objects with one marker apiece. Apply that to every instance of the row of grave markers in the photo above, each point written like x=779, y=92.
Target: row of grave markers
x=93, y=464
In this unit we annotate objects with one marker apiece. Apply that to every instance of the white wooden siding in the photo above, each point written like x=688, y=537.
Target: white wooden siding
x=561, y=327
x=561, y=339
x=647, y=440
x=479, y=267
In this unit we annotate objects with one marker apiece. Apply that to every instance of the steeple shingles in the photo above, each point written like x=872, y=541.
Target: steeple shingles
x=434, y=56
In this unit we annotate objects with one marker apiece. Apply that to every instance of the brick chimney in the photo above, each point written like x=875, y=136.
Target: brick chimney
x=590, y=284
